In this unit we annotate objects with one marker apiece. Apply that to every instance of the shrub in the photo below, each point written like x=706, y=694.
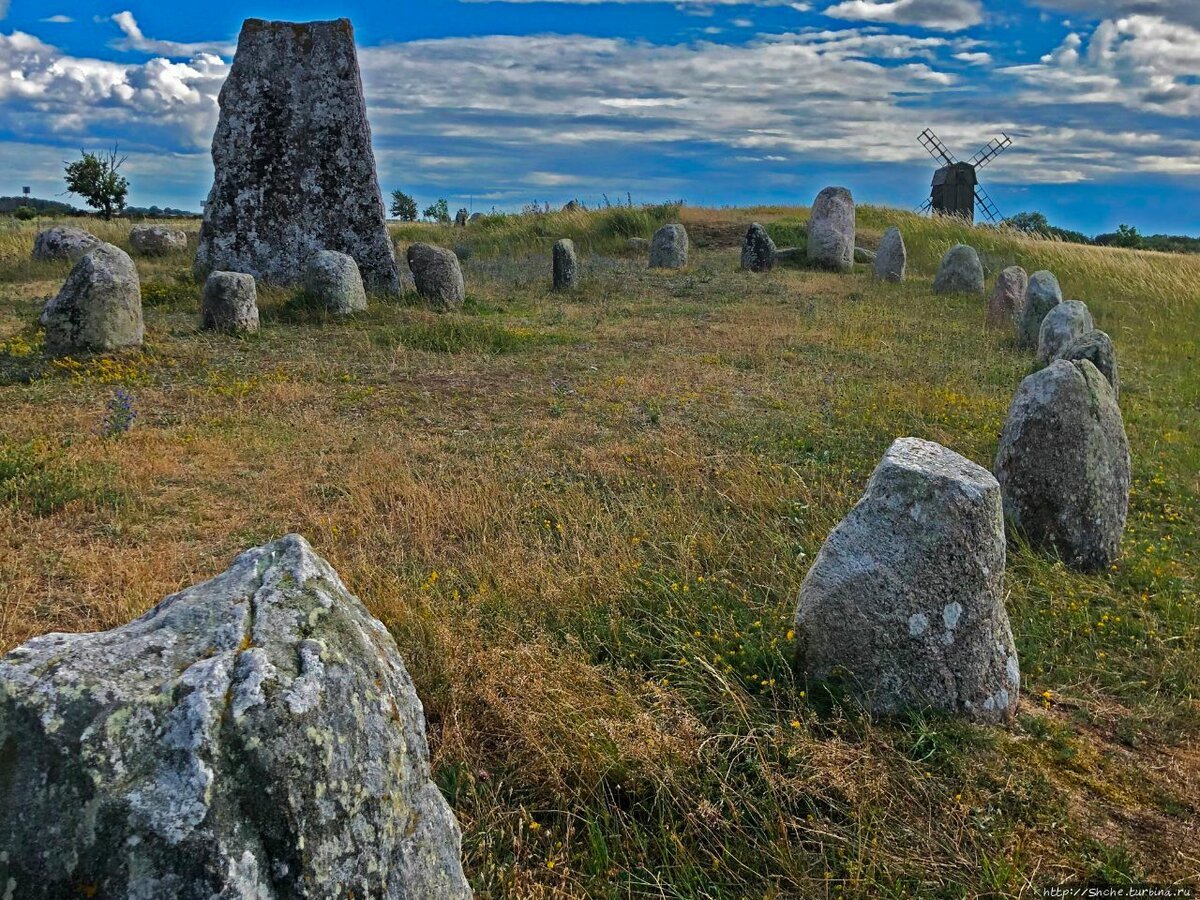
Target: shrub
x=25, y=213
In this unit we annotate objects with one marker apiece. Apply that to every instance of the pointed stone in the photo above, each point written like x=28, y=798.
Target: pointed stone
x=1042, y=295
x=566, y=265
x=1008, y=298
x=891, y=259
x=758, y=250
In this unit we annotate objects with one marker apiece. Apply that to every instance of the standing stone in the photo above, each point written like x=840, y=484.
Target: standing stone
x=1063, y=464
x=294, y=172
x=1008, y=298
x=831, y=230
x=333, y=278
x=99, y=307
x=1097, y=348
x=906, y=598
x=566, y=266
x=229, y=303
x=253, y=736
x=891, y=259
x=460, y=218
x=669, y=248
x=156, y=240
x=961, y=272
x=1065, y=322
x=1042, y=296
x=64, y=242
x=437, y=275
x=758, y=250
x=572, y=206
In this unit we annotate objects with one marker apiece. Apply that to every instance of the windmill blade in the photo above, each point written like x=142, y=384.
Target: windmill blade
x=926, y=206
x=936, y=148
x=990, y=151
x=986, y=204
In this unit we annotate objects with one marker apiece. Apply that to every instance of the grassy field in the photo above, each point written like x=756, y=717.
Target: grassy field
x=585, y=519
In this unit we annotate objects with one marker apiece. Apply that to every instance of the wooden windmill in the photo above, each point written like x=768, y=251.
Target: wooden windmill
x=956, y=187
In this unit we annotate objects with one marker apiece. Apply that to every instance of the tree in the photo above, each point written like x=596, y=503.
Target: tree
x=1029, y=222
x=25, y=213
x=404, y=207
x=97, y=179
x=439, y=212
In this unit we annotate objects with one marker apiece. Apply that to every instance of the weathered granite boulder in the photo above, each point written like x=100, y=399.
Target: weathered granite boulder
x=831, y=230
x=1063, y=464
x=251, y=737
x=905, y=601
x=99, y=306
x=294, y=172
x=64, y=242
x=863, y=255
x=437, y=275
x=229, y=303
x=891, y=259
x=1065, y=322
x=960, y=272
x=758, y=250
x=669, y=248
x=475, y=217
x=156, y=240
x=566, y=266
x=333, y=278
x=1042, y=296
x=1097, y=348
x=1008, y=298
x=791, y=255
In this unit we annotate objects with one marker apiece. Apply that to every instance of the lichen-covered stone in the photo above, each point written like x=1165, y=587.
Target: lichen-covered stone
x=437, y=275
x=1042, y=295
x=64, y=242
x=566, y=266
x=905, y=601
x=669, y=248
x=1063, y=464
x=1097, y=348
x=863, y=255
x=156, y=240
x=960, y=272
x=229, y=303
x=831, y=230
x=255, y=736
x=1008, y=298
x=99, y=306
x=334, y=280
x=1065, y=322
x=891, y=259
x=294, y=172
x=758, y=250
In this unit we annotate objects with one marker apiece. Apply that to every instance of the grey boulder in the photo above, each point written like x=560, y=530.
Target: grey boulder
x=156, y=240
x=960, y=272
x=98, y=308
x=758, y=250
x=333, y=279
x=905, y=601
x=254, y=736
x=891, y=259
x=863, y=255
x=1063, y=464
x=1008, y=298
x=669, y=248
x=831, y=230
x=64, y=242
x=566, y=265
x=437, y=276
x=1097, y=348
x=1042, y=295
x=1065, y=322
x=229, y=303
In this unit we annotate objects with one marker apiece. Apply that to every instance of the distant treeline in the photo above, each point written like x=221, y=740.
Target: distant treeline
x=1125, y=236
x=10, y=205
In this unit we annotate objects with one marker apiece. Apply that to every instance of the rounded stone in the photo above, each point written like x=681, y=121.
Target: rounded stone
x=1097, y=348
x=437, y=276
x=891, y=259
x=960, y=272
x=64, y=242
x=831, y=230
x=669, y=248
x=156, y=240
x=566, y=266
x=229, y=303
x=1065, y=322
x=99, y=307
x=1008, y=298
x=1042, y=295
x=333, y=279
x=863, y=255
x=758, y=250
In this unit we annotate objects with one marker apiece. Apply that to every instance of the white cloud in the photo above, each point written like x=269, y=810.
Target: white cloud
x=937, y=15
x=978, y=58
x=59, y=19
x=135, y=40
x=1184, y=11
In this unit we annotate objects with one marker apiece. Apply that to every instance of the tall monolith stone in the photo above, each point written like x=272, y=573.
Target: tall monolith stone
x=294, y=171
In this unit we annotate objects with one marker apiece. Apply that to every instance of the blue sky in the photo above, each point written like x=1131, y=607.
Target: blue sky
x=498, y=103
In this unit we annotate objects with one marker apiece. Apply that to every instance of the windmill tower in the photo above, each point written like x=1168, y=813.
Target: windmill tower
x=956, y=187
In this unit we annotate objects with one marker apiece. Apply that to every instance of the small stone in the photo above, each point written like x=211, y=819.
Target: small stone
x=156, y=240
x=566, y=266
x=1065, y=322
x=1042, y=295
x=229, y=303
x=831, y=230
x=905, y=601
x=475, y=217
x=863, y=255
x=1096, y=347
x=1008, y=298
x=641, y=245
x=791, y=255
x=1063, y=464
x=333, y=278
x=64, y=242
x=437, y=275
x=99, y=307
x=758, y=250
x=891, y=260
x=961, y=272
x=669, y=248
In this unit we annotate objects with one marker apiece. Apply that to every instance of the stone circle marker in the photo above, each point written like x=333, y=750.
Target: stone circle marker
x=229, y=303
x=1008, y=298
x=1042, y=296
x=960, y=272
x=98, y=308
x=294, y=172
x=155, y=240
x=64, y=242
x=566, y=265
x=333, y=278
x=1065, y=322
x=669, y=248
x=905, y=601
x=758, y=250
x=1096, y=347
x=831, y=230
x=437, y=276
x=891, y=259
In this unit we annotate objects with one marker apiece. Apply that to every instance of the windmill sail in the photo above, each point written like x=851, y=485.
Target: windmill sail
x=986, y=204
x=990, y=151
x=936, y=148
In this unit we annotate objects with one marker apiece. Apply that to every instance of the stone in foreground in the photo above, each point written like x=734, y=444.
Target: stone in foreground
x=831, y=230
x=758, y=250
x=891, y=259
x=294, y=172
x=1096, y=347
x=437, y=275
x=334, y=280
x=1065, y=322
x=1008, y=298
x=1063, y=464
x=157, y=240
x=229, y=303
x=99, y=307
x=1042, y=296
x=960, y=272
x=669, y=248
x=64, y=242
x=905, y=601
x=566, y=266
x=253, y=736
